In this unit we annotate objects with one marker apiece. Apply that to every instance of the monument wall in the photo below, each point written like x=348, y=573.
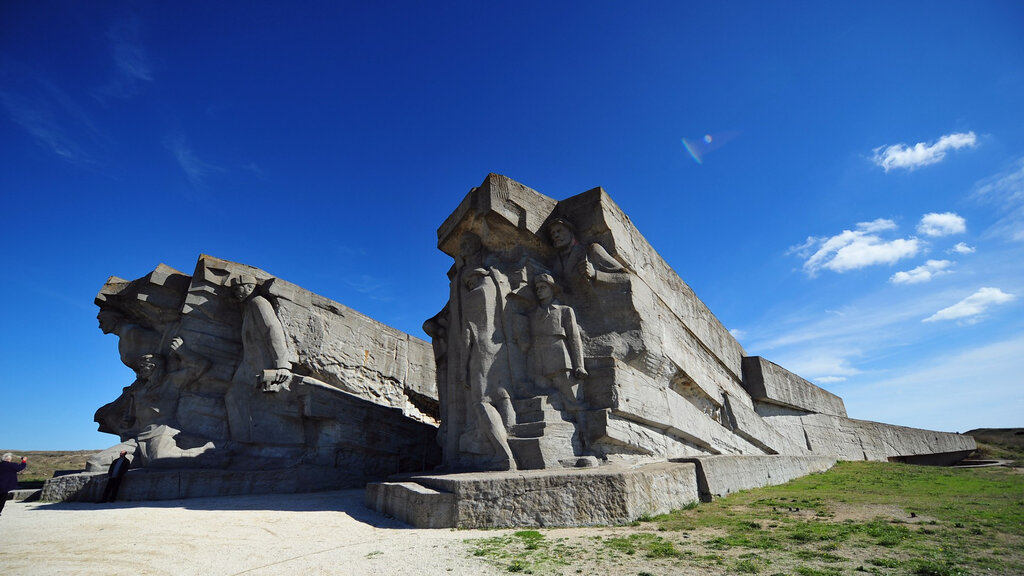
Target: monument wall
x=567, y=340
x=244, y=373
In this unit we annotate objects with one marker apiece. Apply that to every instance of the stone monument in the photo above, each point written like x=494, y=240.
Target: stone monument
x=568, y=343
x=244, y=382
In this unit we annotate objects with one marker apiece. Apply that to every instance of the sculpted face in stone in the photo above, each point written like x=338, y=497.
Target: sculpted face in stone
x=109, y=320
x=148, y=365
x=561, y=235
x=241, y=292
x=544, y=290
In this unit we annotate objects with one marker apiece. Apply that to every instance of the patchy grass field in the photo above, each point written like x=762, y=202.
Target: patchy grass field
x=858, y=518
x=42, y=465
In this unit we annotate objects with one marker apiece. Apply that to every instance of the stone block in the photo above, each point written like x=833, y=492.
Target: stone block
x=574, y=497
x=768, y=382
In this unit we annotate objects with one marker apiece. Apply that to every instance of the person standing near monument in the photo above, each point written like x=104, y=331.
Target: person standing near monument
x=118, y=468
x=9, y=476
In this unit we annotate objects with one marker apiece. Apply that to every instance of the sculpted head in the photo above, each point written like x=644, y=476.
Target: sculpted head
x=109, y=320
x=544, y=286
x=147, y=365
x=561, y=233
x=242, y=287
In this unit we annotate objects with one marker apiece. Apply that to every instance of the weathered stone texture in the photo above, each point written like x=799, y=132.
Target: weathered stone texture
x=582, y=497
x=660, y=376
x=850, y=439
x=237, y=370
x=722, y=475
x=768, y=382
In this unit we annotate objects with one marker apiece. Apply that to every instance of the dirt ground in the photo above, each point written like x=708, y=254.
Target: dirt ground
x=319, y=533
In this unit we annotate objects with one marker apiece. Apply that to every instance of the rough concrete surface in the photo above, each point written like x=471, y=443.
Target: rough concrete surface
x=317, y=533
x=576, y=497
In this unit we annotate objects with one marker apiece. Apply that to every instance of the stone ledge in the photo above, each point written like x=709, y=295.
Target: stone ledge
x=142, y=485
x=722, y=475
x=577, y=497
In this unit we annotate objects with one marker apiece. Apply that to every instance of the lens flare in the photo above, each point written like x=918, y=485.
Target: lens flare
x=699, y=147
x=691, y=147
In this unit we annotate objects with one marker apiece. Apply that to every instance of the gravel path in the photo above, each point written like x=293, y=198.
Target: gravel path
x=320, y=533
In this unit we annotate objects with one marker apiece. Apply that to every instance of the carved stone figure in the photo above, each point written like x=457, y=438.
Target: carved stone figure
x=265, y=356
x=242, y=372
x=557, y=351
x=264, y=346
x=576, y=263
x=132, y=340
x=564, y=280
x=488, y=407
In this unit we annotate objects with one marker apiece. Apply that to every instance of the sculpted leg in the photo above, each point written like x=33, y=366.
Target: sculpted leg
x=495, y=430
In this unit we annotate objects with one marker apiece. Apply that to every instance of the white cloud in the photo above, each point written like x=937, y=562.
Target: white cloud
x=944, y=224
x=921, y=154
x=830, y=379
x=854, y=249
x=971, y=387
x=196, y=170
x=972, y=306
x=1007, y=191
x=737, y=333
x=961, y=248
x=923, y=273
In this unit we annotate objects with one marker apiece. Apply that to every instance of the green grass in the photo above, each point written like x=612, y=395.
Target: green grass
x=977, y=526
x=859, y=517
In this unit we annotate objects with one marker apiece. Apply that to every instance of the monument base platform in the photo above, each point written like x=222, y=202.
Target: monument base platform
x=610, y=494
x=143, y=484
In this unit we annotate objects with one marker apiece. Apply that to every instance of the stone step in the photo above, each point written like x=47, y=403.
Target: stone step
x=26, y=495
x=543, y=428
x=536, y=409
x=412, y=503
x=548, y=451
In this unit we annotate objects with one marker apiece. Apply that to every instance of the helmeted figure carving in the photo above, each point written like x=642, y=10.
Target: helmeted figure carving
x=265, y=361
x=557, y=348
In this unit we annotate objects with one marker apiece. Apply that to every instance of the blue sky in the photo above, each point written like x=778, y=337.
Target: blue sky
x=842, y=183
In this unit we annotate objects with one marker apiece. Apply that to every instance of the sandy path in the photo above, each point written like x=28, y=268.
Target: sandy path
x=321, y=533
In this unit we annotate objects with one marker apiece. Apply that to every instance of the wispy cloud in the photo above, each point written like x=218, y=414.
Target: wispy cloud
x=131, y=61
x=42, y=122
x=941, y=224
x=961, y=248
x=1006, y=190
x=947, y=391
x=854, y=249
x=923, y=273
x=972, y=307
x=196, y=169
x=921, y=154
x=374, y=288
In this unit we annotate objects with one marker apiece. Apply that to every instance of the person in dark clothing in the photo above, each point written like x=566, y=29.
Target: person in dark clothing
x=9, y=476
x=115, y=473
